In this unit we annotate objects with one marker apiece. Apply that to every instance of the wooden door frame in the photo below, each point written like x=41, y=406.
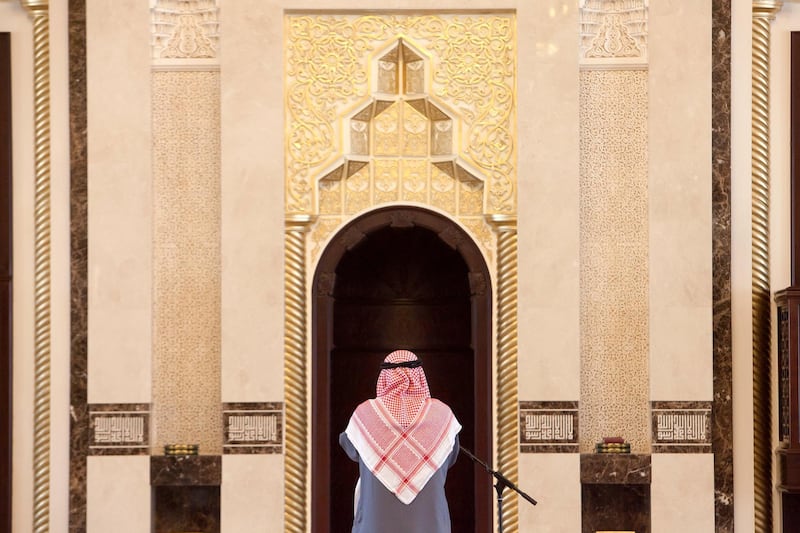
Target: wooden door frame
x=322, y=337
x=6, y=378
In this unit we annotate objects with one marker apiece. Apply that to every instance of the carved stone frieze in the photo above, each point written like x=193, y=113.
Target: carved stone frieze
x=443, y=140
x=613, y=34
x=185, y=29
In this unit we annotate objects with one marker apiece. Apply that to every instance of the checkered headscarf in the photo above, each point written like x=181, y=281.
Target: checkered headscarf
x=402, y=390
x=403, y=435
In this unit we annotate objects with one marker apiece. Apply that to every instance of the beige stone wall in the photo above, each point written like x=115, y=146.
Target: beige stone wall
x=679, y=199
x=548, y=107
x=119, y=144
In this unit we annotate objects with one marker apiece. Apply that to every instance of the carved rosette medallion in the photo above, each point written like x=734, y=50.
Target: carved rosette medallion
x=613, y=34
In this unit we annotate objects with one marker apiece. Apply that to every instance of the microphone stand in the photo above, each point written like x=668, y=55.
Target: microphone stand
x=499, y=486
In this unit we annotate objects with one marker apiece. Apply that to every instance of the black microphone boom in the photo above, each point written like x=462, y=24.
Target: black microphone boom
x=499, y=486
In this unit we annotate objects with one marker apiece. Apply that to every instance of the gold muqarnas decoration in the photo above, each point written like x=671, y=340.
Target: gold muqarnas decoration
x=332, y=68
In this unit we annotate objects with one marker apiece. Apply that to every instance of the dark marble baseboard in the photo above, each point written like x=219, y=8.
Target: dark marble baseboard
x=186, y=493
x=615, y=492
x=615, y=508
x=615, y=468
x=180, y=508
x=184, y=470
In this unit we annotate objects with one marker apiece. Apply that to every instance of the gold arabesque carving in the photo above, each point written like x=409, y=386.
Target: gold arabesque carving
x=330, y=59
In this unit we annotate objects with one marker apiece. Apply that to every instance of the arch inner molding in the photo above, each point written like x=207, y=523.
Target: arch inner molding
x=396, y=109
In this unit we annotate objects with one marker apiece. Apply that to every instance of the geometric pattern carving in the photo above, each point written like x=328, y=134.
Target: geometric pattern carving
x=615, y=380
x=253, y=427
x=681, y=426
x=119, y=429
x=400, y=150
x=548, y=427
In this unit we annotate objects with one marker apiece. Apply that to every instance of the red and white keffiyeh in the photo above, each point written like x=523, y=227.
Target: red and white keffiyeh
x=403, y=435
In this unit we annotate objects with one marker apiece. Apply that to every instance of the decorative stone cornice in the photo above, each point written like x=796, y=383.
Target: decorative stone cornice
x=185, y=34
x=767, y=8
x=35, y=5
x=613, y=34
x=503, y=223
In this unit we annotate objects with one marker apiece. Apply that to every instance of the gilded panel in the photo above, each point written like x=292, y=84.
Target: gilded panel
x=470, y=192
x=466, y=62
x=443, y=190
x=356, y=190
x=415, y=132
x=386, y=137
x=387, y=180
x=415, y=180
x=330, y=196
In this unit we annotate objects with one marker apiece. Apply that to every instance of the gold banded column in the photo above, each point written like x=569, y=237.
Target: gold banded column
x=294, y=374
x=507, y=385
x=764, y=12
x=38, y=9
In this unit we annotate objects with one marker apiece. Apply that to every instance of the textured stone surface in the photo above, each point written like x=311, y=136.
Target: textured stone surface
x=614, y=264
x=186, y=260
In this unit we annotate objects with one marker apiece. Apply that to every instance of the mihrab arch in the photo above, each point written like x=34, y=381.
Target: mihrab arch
x=400, y=277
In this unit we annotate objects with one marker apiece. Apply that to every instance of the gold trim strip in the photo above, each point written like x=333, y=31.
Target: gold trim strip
x=763, y=13
x=38, y=9
x=507, y=401
x=295, y=378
